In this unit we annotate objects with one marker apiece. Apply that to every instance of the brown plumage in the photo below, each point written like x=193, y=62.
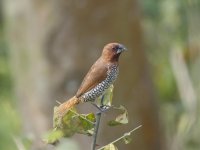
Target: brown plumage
x=100, y=76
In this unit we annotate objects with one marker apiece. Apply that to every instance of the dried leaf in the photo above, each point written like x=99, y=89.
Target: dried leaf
x=121, y=118
x=71, y=123
x=110, y=147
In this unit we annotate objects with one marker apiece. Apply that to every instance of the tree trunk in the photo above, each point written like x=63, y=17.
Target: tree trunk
x=53, y=43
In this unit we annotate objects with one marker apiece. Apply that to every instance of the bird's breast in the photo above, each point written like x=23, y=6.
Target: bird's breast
x=100, y=88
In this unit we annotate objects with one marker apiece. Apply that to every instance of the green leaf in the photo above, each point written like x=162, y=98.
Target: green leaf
x=127, y=139
x=110, y=147
x=113, y=123
x=86, y=124
x=72, y=122
x=53, y=136
x=122, y=118
x=107, y=97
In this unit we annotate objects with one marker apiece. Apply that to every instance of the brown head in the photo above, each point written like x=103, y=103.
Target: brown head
x=112, y=51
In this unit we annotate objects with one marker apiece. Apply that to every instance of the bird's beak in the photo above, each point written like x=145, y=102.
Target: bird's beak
x=121, y=49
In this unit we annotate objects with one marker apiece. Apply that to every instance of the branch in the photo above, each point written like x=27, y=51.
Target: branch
x=98, y=118
x=128, y=133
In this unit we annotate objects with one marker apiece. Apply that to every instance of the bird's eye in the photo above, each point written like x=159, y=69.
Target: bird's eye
x=115, y=47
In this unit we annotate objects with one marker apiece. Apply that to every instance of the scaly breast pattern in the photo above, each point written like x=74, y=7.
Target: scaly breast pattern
x=98, y=90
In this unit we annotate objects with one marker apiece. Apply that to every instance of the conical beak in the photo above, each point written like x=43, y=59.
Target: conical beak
x=121, y=49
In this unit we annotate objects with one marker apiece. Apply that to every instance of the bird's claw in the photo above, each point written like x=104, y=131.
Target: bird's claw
x=102, y=108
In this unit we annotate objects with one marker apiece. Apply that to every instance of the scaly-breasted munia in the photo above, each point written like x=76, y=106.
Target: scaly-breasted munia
x=101, y=75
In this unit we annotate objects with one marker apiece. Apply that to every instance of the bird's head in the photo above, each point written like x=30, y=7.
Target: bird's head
x=112, y=51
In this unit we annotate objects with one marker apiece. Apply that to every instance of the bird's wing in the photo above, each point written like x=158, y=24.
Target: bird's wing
x=96, y=74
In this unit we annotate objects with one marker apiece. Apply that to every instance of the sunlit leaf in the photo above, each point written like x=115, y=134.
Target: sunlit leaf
x=106, y=99
x=110, y=147
x=127, y=139
x=122, y=118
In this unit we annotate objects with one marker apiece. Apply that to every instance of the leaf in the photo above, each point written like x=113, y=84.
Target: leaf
x=127, y=139
x=72, y=122
x=65, y=124
x=53, y=136
x=113, y=123
x=121, y=118
x=110, y=147
x=106, y=99
x=86, y=124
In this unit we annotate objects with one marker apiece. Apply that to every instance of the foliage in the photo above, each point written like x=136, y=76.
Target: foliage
x=110, y=147
x=74, y=122
x=10, y=123
x=175, y=30
x=120, y=119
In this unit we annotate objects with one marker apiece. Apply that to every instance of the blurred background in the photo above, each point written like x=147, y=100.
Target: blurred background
x=47, y=46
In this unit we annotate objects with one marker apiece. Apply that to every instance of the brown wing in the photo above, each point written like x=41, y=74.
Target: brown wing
x=96, y=74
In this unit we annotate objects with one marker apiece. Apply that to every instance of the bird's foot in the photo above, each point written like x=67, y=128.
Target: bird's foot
x=102, y=108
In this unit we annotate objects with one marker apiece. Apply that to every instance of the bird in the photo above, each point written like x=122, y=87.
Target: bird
x=99, y=78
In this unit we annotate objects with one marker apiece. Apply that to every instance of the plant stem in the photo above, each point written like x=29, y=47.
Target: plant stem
x=128, y=133
x=98, y=118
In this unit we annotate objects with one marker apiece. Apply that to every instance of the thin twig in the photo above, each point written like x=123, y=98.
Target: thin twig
x=58, y=102
x=82, y=117
x=98, y=118
x=121, y=137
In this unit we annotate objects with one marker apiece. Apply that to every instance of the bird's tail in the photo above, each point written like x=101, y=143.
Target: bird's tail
x=64, y=107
